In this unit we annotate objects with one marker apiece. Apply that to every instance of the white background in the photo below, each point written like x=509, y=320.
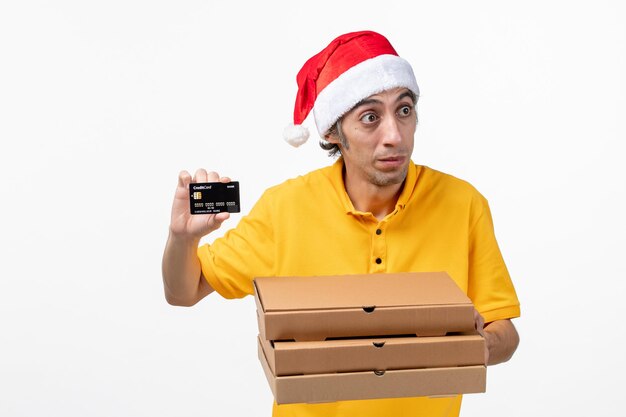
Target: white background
x=103, y=103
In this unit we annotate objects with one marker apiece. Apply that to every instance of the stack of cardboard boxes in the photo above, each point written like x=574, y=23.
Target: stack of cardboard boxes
x=332, y=338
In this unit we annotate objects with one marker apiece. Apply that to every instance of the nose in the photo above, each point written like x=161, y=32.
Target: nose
x=391, y=132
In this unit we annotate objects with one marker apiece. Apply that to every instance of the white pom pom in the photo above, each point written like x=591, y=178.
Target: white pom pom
x=295, y=135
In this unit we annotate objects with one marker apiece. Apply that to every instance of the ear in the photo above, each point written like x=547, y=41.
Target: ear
x=332, y=138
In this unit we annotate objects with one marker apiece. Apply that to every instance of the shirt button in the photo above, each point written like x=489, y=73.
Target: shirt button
x=379, y=261
x=378, y=231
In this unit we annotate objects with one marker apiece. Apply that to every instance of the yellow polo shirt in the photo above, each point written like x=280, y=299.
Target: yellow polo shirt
x=308, y=226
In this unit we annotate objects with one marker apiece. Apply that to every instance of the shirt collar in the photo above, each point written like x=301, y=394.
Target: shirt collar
x=407, y=189
x=409, y=186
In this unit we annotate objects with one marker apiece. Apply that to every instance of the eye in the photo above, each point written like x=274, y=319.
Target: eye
x=369, y=118
x=405, y=110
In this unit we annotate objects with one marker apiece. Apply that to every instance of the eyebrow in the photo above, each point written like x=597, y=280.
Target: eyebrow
x=375, y=101
x=405, y=94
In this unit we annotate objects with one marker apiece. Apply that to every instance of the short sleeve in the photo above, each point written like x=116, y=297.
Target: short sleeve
x=489, y=285
x=231, y=262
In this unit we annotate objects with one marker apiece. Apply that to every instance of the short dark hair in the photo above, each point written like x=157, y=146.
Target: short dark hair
x=336, y=130
x=333, y=148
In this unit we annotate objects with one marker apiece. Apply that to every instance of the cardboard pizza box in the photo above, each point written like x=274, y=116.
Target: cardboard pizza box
x=322, y=307
x=380, y=354
x=343, y=386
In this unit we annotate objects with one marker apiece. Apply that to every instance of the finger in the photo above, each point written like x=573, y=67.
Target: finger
x=200, y=175
x=479, y=322
x=184, y=178
x=216, y=221
x=213, y=177
x=225, y=179
x=220, y=217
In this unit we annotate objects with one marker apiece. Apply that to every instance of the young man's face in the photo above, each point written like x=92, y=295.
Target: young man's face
x=379, y=136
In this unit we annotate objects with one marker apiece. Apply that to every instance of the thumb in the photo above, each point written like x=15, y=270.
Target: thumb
x=216, y=221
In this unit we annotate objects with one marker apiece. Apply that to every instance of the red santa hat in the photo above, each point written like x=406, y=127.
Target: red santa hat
x=351, y=68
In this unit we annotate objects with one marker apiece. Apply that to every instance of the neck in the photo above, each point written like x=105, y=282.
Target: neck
x=371, y=198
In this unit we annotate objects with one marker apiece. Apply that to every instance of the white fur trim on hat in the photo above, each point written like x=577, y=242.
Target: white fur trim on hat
x=295, y=135
x=369, y=77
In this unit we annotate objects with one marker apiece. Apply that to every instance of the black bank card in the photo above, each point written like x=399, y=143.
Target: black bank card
x=214, y=197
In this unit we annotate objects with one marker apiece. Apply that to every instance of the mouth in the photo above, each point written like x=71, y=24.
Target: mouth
x=391, y=162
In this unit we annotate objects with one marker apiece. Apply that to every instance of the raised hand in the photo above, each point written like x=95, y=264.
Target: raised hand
x=185, y=225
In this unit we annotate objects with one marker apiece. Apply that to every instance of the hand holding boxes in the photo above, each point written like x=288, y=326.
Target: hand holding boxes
x=332, y=338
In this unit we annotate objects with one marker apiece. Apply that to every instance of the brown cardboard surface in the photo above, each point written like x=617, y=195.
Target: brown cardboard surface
x=350, y=355
x=317, y=308
x=338, y=291
x=316, y=388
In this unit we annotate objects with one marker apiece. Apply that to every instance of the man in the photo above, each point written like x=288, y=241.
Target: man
x=372, y=211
